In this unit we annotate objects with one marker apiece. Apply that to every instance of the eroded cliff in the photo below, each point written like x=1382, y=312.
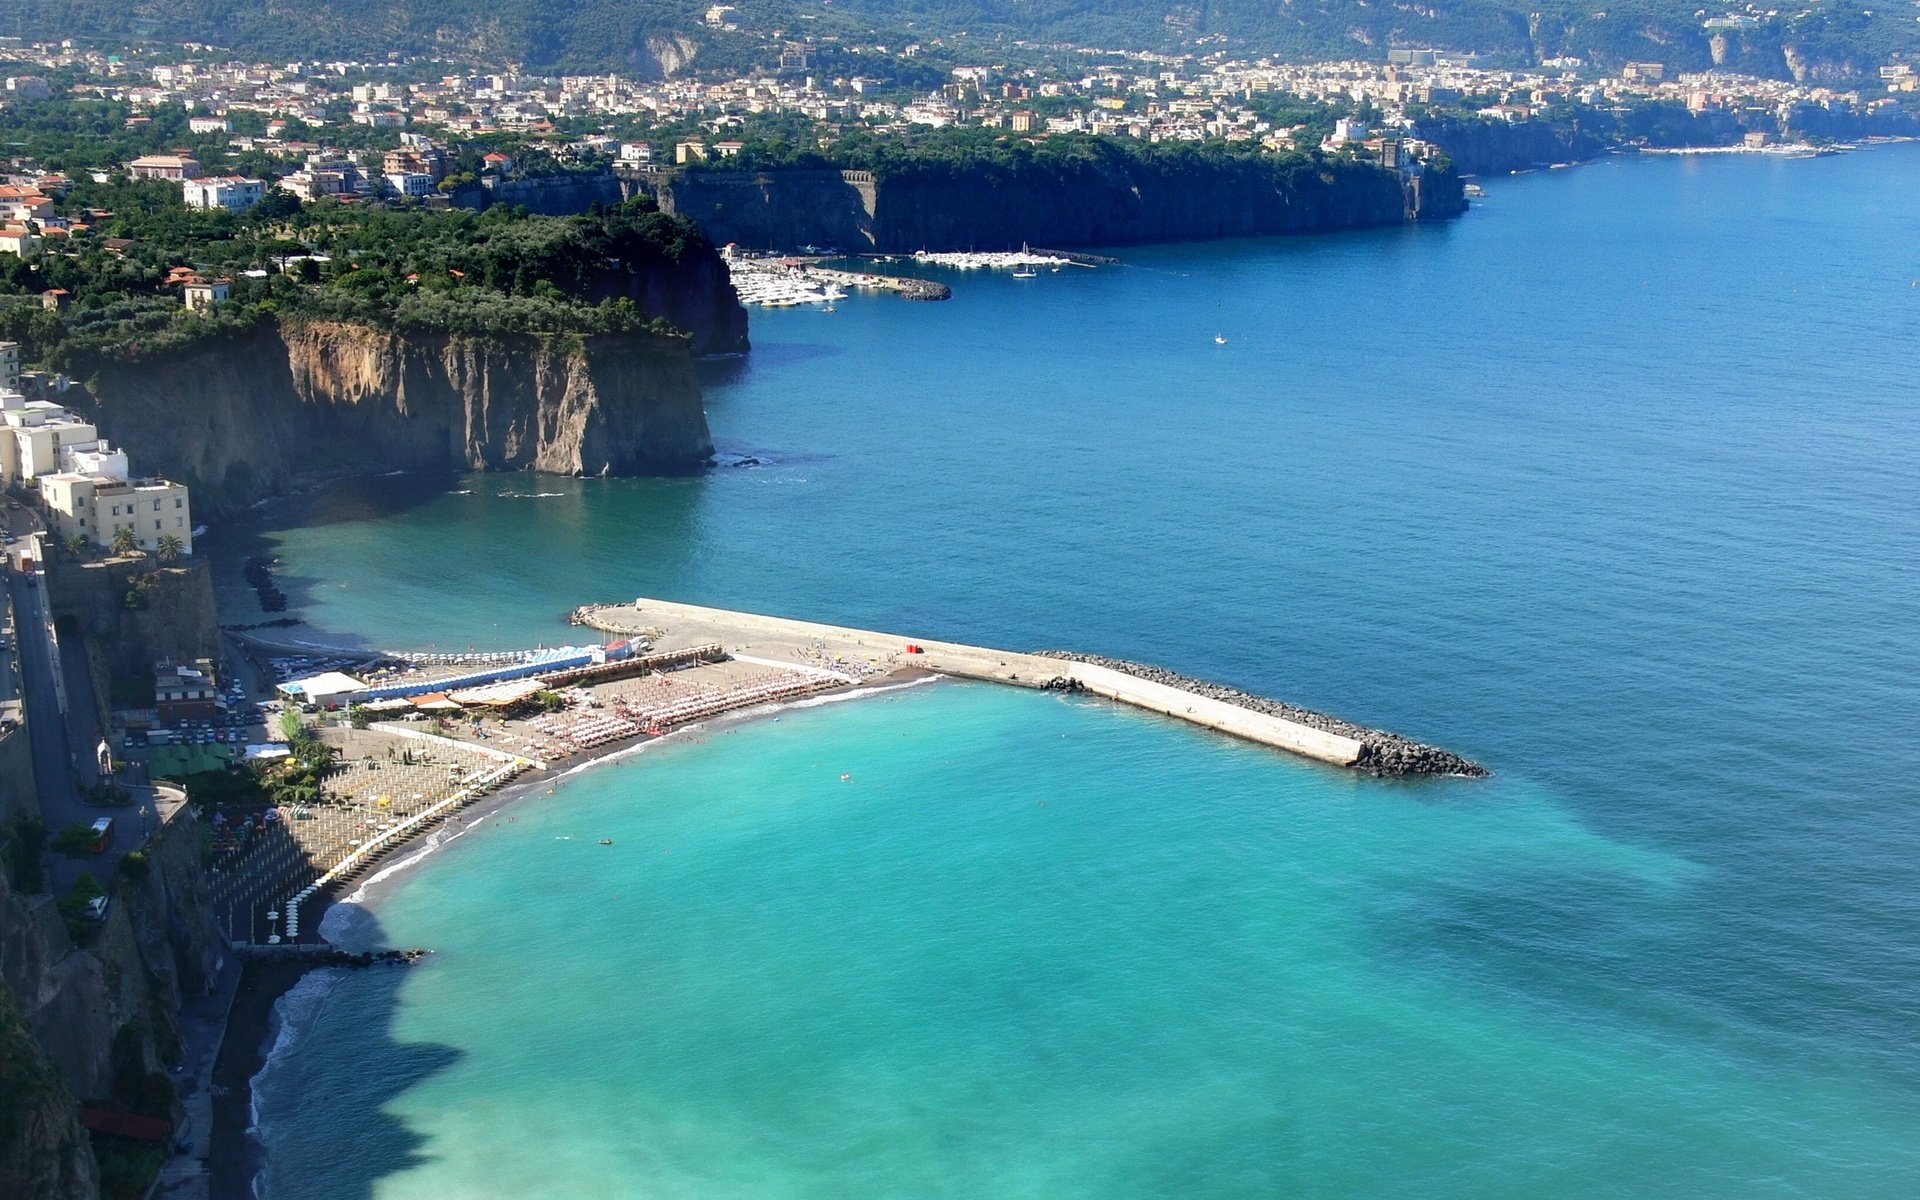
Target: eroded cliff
x=238, y=419
x=88, y=1023
x=1099, y=199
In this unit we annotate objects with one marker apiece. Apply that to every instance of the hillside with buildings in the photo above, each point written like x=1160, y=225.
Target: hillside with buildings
x=1836, y=40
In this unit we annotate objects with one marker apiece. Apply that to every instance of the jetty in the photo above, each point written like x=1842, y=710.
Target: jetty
x=902, y=285
x=869, y=653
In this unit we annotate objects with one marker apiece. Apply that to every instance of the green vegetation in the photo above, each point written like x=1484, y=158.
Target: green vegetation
x=125, y=1171
x=30, y=1093
x=76, y=909
x=136, y=1088
x=75, y=841
x=446, y=271
x=136, y=865
x=643, y=36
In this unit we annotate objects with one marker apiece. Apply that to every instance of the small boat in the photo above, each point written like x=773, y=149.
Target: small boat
x=1219, y=339
x=1026, y=273
x=606, y=841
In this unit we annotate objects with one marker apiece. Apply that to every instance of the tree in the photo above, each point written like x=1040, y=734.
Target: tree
x=76, y=544
x=359, y=717
x=125, y=541
x=75, y=841
x=170, y=547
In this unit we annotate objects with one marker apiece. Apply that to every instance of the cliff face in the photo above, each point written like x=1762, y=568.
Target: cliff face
x=173, y=619
x=1086, y=202
x=62, y=1008
x=777, y=210
x=44, y=1151
x=238, y=420
x=1480, y=147
x=1116, y=203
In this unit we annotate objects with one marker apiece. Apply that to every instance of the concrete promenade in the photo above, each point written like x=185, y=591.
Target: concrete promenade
x=826, y=645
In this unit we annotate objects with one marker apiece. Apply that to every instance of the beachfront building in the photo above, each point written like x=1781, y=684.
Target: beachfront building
x=235, y=193
x=329, y=689
x=185, y=691
x=97, y=507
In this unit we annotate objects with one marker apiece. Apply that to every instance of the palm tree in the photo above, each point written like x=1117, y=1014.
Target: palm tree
x=76, y=544
x=169, y=547
x=125, y=541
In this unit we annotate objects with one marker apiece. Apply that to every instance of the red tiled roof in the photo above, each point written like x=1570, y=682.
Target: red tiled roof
x=127, y=1125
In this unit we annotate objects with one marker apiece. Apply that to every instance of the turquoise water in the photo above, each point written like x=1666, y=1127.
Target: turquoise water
x=1610, y=485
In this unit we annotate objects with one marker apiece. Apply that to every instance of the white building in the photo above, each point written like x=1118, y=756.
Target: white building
x=234, y=193
x=20, y=240
x=9, y=366
x=410, y=183
x=99, y=507
x=32, y=435
x=202, y=295
x=89, y=492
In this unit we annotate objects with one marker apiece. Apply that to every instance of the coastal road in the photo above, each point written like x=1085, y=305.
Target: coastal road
x=51, y=732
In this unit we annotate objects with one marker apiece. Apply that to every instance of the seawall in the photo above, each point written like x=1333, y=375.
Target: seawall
x=1268, y=723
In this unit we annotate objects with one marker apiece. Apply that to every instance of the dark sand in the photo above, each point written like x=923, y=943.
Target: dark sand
x=234, y=1157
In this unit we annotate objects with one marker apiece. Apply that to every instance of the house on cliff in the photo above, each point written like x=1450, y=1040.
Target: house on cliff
x=85, y=482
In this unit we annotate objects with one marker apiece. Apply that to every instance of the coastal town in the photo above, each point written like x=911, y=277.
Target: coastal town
x=399, y=131
x=155, y=747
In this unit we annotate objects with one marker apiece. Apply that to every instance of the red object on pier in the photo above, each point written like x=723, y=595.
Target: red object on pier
x=914, y=649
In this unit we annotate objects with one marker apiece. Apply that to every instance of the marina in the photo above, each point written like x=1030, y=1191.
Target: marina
x=797, y=283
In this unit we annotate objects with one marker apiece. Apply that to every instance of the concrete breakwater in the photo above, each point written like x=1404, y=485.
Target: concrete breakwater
x=868, y=653
x=1381, y=753
x=903, y=285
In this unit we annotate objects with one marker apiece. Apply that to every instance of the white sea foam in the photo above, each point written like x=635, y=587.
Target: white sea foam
x=442, y=836
x=293, y=1015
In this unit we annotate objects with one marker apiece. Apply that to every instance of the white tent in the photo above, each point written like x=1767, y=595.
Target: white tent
x=327, y=689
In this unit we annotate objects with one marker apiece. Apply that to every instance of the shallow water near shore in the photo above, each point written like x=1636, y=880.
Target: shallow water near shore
x=1609, y=485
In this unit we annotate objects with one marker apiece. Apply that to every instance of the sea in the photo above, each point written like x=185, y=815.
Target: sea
x=1612, y=485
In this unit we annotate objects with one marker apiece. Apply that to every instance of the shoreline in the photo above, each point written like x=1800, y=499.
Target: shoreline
x=235, y=1155
x=1307, y=733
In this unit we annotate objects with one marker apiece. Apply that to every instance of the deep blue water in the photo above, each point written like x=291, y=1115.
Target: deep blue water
x=1610, y=485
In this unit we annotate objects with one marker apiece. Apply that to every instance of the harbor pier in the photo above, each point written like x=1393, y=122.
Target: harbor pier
x=868, y=652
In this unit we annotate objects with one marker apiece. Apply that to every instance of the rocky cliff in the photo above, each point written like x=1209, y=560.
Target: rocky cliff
x=238, y=419
x=76, y=1023
x=1481, y=147
x=1090, y=201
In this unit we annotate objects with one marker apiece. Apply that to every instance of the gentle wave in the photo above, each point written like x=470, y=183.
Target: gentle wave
x=293, y=1015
